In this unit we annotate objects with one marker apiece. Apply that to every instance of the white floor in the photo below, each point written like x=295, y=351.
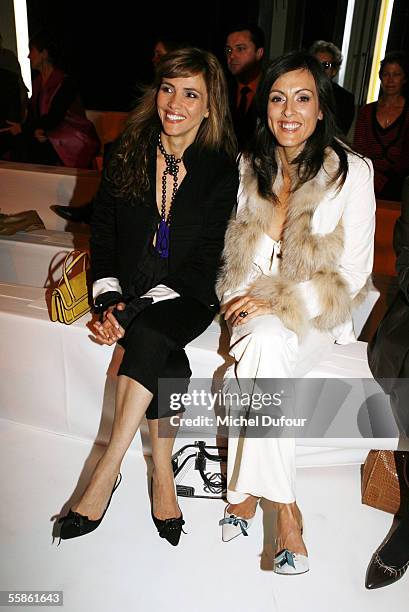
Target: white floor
x=125, y=566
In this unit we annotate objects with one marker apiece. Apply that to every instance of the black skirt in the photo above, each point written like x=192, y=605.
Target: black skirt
x=155, y=340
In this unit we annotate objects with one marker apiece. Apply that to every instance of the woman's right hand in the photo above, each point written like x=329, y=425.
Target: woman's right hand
x=109, y=331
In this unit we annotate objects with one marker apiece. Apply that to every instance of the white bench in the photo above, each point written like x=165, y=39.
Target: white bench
x=64, y=372
x=36, y=187
x=54, y=377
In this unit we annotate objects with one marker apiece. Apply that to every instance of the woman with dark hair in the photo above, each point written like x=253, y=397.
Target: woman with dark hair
x=56, y=131
x=382, y=129
x=156, y=237
x=304, y=231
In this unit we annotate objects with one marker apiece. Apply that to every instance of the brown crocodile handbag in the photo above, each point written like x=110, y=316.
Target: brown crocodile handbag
x=380, y=483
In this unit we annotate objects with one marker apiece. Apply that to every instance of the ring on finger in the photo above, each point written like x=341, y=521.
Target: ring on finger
x=243, y=314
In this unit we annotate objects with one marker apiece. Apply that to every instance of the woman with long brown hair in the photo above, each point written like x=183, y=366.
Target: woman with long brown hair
x=157, y=235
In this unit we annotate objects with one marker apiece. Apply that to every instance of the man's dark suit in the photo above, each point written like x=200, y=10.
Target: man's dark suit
x=243, y=126
x=344, y=107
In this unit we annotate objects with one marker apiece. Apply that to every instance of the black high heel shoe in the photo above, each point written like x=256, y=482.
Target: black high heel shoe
x=391, y=560
x=381, y=573
x=170, y=528
x=75, y=524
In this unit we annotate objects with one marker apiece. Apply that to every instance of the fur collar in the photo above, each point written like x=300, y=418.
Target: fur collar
x=304, y=256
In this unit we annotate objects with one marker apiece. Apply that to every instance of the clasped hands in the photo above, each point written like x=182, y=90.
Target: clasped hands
x=109, y=331
x=254, y=307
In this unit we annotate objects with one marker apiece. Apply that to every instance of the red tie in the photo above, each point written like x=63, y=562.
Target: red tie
x=242, y=107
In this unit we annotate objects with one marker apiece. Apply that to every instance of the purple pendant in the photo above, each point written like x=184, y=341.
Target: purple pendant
x=162, y=239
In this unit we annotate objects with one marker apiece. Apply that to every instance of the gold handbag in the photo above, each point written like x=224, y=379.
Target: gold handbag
x=69, y=300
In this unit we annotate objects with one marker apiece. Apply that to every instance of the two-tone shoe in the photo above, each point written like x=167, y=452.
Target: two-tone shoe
x=289, y=563
x=233, y=525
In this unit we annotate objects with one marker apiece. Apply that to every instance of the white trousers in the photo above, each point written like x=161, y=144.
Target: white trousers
x=264, y=348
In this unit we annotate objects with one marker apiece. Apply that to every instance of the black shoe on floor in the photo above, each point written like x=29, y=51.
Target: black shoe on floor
x=170, y=528
x=74, y=214
x=391, y=560
x=75, y=524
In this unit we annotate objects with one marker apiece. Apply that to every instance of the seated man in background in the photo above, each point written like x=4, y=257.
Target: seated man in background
x=331, y=59
x=244, y=54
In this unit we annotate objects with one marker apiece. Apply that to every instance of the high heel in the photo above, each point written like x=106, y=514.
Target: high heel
x=75, y=524
x=170, y=529
x=380, y=573
x=233, y=525
x=288, y=563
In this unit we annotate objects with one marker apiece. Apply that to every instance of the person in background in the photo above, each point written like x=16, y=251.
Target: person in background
x=56, y=131
x=388, y=359
x=157, y=233
x=83, y=214
x=10, y=107
x=331, y=59
x=163, y=45
x=296, y=260
x=382, y=129
x=244, y=51
x=9, y=61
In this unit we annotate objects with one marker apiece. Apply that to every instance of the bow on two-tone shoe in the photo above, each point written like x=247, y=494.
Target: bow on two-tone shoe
x=288, y=563
x=233, y=525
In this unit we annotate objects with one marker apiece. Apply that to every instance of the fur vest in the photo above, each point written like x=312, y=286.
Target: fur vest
x=305, y=256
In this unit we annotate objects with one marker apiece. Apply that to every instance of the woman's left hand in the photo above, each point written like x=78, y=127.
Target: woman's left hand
x=109, y=331
x=248, y=306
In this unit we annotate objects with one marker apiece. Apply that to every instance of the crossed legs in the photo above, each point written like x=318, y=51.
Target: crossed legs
x=153, y=349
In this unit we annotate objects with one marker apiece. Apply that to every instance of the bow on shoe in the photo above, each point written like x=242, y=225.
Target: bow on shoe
x=74, y=518
x=236, y=521
x=171, y=524
x=285, y=557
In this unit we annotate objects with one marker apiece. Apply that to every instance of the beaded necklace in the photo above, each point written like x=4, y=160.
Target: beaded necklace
x=163, y=233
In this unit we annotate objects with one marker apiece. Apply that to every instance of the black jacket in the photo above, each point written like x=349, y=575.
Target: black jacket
x=344, y=107
x=388, y=351
x=121, y=230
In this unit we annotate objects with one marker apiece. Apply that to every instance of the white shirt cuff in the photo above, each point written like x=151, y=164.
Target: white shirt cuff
x=105, y=284
x=160, y=293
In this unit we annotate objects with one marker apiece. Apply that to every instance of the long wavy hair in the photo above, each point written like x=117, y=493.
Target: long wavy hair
x=128, y=168
x=326, y=134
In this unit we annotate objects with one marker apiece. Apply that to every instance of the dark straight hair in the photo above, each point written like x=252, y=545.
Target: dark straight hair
x=326, y=134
